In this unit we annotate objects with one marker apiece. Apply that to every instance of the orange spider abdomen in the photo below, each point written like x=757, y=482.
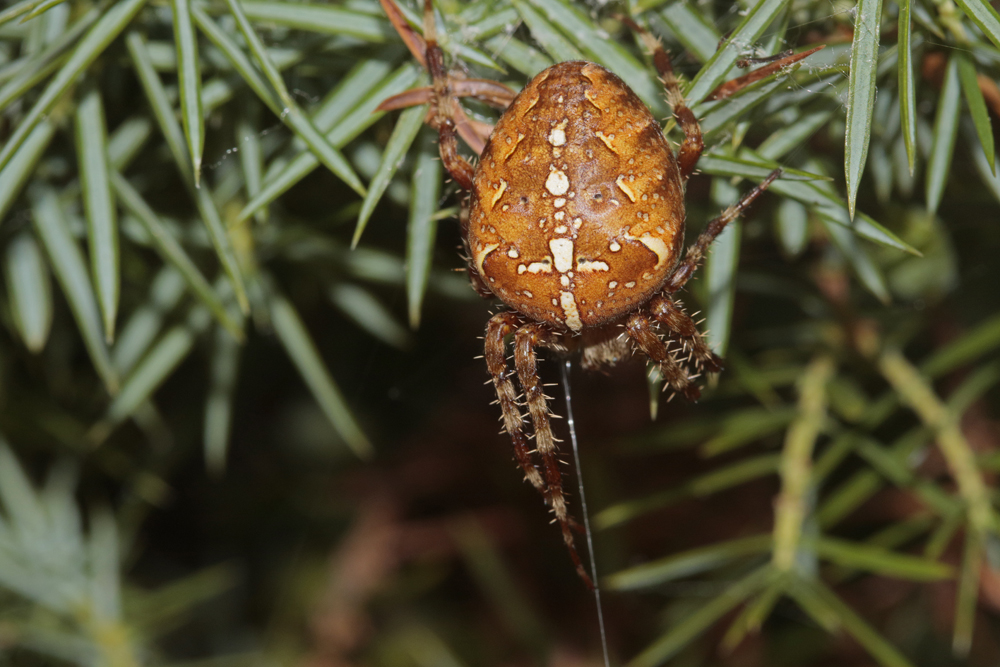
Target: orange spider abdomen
x=577, y=206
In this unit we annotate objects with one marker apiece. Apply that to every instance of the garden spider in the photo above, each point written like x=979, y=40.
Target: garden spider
x=575, y=220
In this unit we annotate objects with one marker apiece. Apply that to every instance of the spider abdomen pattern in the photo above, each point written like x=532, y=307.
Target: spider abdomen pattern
x=577, y=206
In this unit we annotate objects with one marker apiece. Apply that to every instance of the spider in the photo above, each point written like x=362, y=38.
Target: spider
x=575, y=220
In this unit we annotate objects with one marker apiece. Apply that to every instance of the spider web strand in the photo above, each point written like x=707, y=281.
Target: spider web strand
x=571, y=423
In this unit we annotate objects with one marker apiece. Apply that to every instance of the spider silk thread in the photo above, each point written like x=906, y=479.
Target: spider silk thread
x=571, y=423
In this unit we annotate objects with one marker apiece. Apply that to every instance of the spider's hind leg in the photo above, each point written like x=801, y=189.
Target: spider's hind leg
x=640, y=329
x=671, y=315
x=526, y=339
x=499, y=327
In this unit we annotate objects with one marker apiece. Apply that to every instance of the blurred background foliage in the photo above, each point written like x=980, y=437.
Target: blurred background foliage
x=243, y=422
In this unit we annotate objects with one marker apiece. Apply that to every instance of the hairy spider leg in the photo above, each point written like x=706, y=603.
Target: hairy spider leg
x=697, y=250
x=445, y=91
x=473, y=132
x=662, y=308
x=640, y=329
x=501, y=325
x=442, y=105
x=693, y=144
x=670, y=314
x=526, y=339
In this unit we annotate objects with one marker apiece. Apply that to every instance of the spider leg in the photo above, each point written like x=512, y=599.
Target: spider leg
x=441, y=97
x=640, y=330
x=693, y=144
x=443, y=103
x=445, y=115
x=413, y=40
x=697, y=251
x=500, y=325
x=473, y=132
x=670, y=314
x=526, y=339
x=780, y=61
x=491, y=92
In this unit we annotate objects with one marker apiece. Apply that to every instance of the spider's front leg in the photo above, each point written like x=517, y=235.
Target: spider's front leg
x=445, y=114
x=527, y=336
x=443, y=104
x=693, y=145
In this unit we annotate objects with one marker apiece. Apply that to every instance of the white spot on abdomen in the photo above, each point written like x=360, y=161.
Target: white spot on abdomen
x=557, y=137
x=562, y=252
x=544, y=266
x=657, y=245
x=557, y=183
x=572, y=315
x=620, y=182
x=591, y=265
x=607, y=139
x=501, y=188
x=480, y=255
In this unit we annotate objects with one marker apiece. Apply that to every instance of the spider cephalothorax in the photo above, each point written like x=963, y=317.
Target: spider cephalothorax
x=576, y=222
